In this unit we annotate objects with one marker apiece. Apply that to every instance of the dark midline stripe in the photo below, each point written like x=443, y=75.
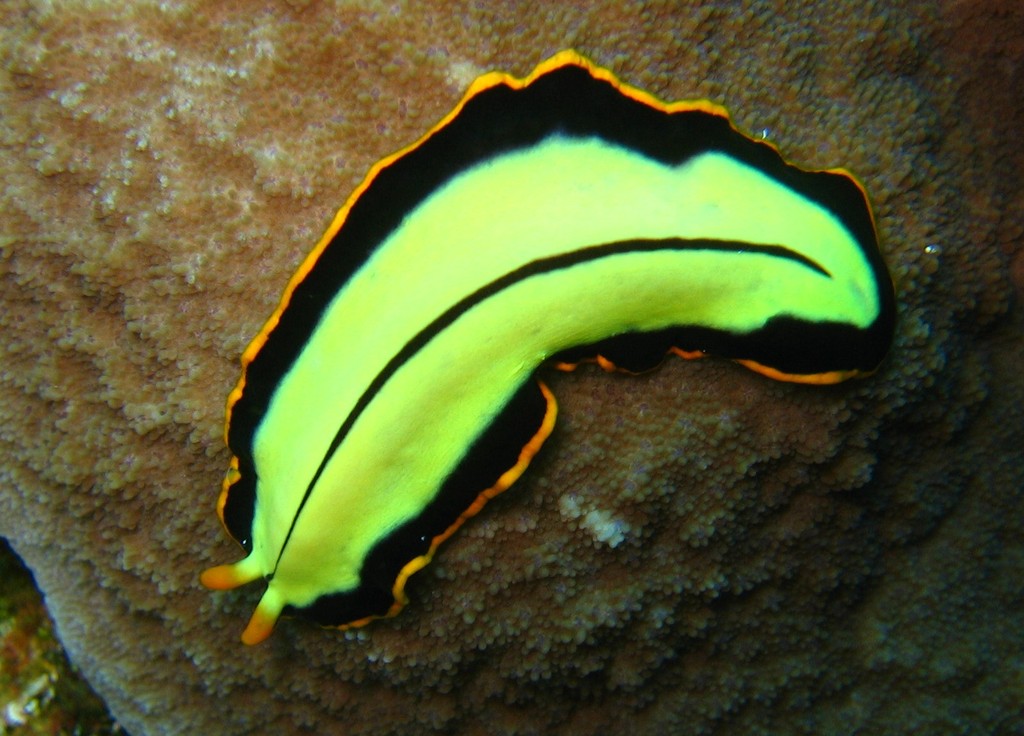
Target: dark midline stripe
x=533, y=268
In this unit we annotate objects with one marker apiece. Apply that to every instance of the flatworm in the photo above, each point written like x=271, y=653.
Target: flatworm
x=553, y=219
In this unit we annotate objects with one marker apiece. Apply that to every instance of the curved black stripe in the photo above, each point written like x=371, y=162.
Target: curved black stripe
x=533, y=268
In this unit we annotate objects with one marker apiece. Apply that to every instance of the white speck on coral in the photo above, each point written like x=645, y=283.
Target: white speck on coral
x=462, y=73
x=71, y=98
x=265, y=49
x=603, y=525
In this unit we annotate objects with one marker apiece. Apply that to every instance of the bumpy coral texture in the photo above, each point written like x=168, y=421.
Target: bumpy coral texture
x=698, y=550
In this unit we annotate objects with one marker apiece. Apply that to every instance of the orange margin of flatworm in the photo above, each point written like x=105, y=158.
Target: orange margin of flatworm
x=816, y=379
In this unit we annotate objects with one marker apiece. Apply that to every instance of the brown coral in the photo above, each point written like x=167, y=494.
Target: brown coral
x=698, y=550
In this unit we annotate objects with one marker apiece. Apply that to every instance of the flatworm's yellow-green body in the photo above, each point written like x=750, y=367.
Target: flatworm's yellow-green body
x=556, y=218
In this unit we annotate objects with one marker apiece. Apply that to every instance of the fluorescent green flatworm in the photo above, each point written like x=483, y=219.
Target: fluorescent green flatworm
x=552, y=219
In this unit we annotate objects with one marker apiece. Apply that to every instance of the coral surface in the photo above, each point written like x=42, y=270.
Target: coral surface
x=698, y=550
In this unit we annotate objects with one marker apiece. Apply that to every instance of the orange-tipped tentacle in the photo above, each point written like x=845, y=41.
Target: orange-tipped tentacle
x=228, y=577
x=263, y=619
